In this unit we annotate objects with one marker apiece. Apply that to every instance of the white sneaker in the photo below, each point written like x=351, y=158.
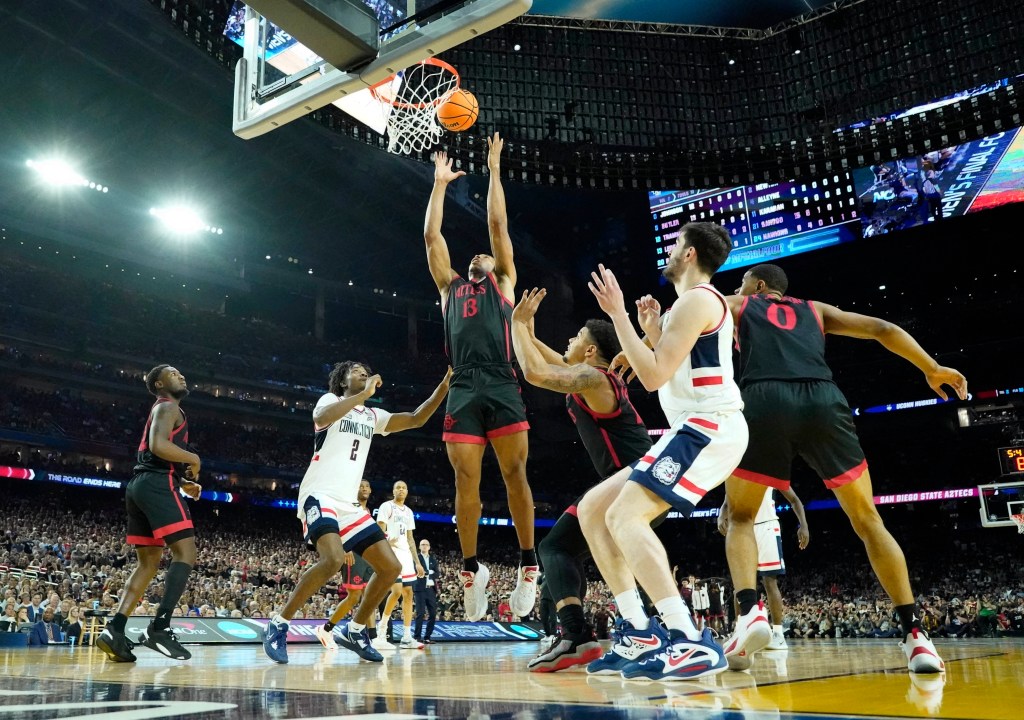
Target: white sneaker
x=778, y=642
x=921, y=654
x=524, y=597
x=753, y=632
x=410, y=643
x=381, y=642
x=474, y=593
x=326, y=638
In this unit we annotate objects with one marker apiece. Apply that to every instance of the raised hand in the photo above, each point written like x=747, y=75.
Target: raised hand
x=494, y=147
x=947, y=376
x=648, y=313
x=525, y=311
x=620, y=366
x=372, y=383
x=443, y=172
x=607, y=291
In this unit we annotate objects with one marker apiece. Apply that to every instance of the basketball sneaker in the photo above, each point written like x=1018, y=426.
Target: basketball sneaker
x=410, y=643
x=921, y=654
x=679, y=659
x=753, y=632
x=474, y=593
x=275, y=642
x=359, y=643
x=566, y=651
x=116, y=645
x=383, y=640
x=326, y=637
x=524, y=597
x=164, y=642
x=628, y=645
x=778, y=642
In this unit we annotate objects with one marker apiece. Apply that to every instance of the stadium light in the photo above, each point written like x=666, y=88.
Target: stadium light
x=183, y=220
x=60, y=174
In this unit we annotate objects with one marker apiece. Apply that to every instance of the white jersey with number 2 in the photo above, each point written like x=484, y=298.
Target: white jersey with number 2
x=340, y=451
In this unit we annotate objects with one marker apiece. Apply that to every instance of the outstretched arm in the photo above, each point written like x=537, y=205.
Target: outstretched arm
x=437, y=249
x=539, y=370
x=803, y=532
x=418, y=417
x=897, y=341
x=695, y=312
x=497, y=220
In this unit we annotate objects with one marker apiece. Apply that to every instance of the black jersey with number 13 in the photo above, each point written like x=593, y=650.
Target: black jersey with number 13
x=780, y=339
x=477, y=319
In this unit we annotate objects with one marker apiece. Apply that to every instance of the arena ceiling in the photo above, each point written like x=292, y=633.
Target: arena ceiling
x=722, y=13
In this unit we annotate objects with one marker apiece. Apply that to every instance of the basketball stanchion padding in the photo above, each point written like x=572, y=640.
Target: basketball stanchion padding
x=421, y=89
x=459, y=112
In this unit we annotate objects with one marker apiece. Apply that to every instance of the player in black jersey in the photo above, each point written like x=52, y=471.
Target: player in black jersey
x=485, y=402
x=613, y=435
x=157, y=515
x=793, y=407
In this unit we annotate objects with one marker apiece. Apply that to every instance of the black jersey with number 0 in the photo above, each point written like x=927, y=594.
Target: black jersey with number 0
x=780, y=339
x=146, y=461
x=613, y=440
x=477, y=321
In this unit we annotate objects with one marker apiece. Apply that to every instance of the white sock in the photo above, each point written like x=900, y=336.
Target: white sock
x=278, y=620
x=408, y=632
x=777, y=629
x=632, y=608
x=354, y=627
x=676, y=616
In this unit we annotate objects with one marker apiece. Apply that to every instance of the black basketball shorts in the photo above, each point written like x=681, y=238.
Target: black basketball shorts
x=484, y=402
x=157, y=513
x=808, y=418
x=356, y=575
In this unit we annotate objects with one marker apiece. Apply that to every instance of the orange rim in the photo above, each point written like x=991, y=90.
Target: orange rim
x=436, y=62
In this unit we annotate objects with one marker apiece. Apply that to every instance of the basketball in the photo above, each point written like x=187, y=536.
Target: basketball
x=459, y=112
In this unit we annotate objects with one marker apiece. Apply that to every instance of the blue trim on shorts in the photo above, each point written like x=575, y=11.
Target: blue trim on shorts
x=682, y=449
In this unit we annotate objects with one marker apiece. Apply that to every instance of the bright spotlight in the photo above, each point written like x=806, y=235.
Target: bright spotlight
x=179, y=219
x=57, y=172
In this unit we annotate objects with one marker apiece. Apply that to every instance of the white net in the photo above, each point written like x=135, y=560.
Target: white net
x=422, y=88
x=1019, y=519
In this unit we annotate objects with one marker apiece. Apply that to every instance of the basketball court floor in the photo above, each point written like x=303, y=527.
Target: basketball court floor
x=984, y=679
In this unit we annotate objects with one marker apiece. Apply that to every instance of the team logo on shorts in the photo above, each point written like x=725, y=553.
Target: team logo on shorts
x=312, y=515
x=665, y=470
x=449, y=422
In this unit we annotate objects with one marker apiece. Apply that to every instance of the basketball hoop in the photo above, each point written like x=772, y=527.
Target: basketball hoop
x=414, y=96
x=1018, y=520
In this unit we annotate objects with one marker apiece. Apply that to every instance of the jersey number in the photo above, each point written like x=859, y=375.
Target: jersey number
x=469, y=307
x=788, y=319
x=355, y=449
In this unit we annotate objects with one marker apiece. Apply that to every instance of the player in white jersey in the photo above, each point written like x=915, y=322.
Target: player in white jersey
x=333, y=521
x=770, y=563
x=691, y=367
x=397, y=521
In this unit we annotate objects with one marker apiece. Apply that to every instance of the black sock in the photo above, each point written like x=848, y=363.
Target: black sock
x=908, y=616
x=528, y=557
x=118, y=622
x=371, y=631
x=571, y=617
x=328, y=626
x=470, y=564
x=747, y=599
x=174, y=587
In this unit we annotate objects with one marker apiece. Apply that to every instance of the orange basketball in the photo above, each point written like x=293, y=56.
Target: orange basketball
x=459, y=112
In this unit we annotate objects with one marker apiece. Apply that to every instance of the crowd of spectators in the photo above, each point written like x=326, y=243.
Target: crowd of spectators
x=70, y=558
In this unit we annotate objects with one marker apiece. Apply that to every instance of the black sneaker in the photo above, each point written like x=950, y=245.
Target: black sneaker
x=567, y=651
x=164, y=642
x=116, y=645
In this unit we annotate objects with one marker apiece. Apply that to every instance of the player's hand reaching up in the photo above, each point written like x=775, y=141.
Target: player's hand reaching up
x=620, y=366
x=494, y=147
x=372, y=383
x=526, y=310
x=947, y=376
x=648, y=314
x=443, y=172
x=607, y=291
